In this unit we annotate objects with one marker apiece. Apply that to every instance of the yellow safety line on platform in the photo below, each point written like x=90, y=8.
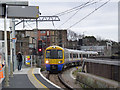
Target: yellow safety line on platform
x=38, y=80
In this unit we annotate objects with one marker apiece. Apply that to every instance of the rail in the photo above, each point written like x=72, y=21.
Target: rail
x=64, y=83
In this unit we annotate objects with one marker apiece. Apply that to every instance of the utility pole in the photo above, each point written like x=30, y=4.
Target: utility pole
x=13, y=43
x=6, y=52
x=12, y=47
x=11, y=52
x=37, y=42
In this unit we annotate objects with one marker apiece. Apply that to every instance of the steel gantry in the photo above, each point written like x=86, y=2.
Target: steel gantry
x=40, y=19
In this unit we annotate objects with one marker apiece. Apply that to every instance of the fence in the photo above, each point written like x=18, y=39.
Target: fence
x=104, y=68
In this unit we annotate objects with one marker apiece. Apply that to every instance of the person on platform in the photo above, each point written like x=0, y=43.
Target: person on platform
x=19, y=58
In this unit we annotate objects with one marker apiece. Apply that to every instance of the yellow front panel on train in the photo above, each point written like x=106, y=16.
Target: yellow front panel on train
x=54, y=61
x=54, y=55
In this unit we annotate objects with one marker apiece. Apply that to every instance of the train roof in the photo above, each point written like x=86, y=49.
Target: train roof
x=81, y=51
x=54, y=47
x=71, y=50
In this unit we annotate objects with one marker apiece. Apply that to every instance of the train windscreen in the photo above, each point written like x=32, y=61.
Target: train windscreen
x=54, y=54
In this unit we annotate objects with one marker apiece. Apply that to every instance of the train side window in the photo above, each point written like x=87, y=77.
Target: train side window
x=80, y=55
x=84, y=55
x=74, y=55
x=66, y=55
x=70, y=55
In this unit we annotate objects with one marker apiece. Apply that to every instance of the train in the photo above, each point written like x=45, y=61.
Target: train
x=57, y=58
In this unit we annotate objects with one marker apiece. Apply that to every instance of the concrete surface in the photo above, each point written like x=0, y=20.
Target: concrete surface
x=96, y=81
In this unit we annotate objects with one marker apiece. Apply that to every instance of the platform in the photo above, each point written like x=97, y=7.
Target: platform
x=29, y=78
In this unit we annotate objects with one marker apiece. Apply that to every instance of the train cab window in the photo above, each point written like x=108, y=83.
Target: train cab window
x=48, y=54
x=60, y=55
x=54, y=54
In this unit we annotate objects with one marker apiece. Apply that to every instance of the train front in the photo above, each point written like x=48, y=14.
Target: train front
x=54, y=58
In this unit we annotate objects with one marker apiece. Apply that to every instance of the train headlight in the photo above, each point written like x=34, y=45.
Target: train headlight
x=47, y=62
x=60, y=62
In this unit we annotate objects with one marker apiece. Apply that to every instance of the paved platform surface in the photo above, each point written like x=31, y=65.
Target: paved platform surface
x=20, y=80
x=48, y=85
x=28, y=78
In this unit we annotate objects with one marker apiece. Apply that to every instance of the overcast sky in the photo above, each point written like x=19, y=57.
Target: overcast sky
x=102, y=23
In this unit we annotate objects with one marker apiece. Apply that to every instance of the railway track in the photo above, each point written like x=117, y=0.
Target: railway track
x=58, y=80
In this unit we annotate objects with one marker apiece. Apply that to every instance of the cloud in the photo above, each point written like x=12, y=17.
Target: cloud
x=103, y=22
x=106, y=32
x=69, y=0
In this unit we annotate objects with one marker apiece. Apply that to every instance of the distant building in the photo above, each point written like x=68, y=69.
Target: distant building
x=53, y=37
x=72, y=44
x=27, y=39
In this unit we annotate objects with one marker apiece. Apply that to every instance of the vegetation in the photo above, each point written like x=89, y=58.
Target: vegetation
x=76, y=71
x=75, y=74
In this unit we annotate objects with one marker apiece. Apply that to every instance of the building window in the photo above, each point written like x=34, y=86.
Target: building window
x=22, y=35
x=43, y=37
x=52, y=33
x=42, y=31
x=2, y=44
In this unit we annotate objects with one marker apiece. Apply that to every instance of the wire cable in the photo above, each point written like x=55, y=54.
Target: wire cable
x=76, y=13
x=71, y=10
x=88, y=14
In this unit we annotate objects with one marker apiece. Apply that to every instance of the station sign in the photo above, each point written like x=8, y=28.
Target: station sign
x=2, y=10
x=3, y=4
x=27, y=12
x=28, y=60
x=14, y=3
x=15, y=10
x=13, y=40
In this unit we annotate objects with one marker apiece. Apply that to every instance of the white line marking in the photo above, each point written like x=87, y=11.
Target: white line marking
x=49, y=81
x=71, y=74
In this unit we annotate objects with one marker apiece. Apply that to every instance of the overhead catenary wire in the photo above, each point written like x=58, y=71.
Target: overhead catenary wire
x=77, y=12
x=88, y=14
x=73, y=9
x=70, y=10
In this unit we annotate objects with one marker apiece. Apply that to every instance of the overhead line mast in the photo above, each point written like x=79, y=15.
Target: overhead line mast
x=41, y=19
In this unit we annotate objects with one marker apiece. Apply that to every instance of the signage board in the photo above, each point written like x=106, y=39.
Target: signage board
x=13, y=40
x=27, y=12
x=27, y=60
x=14, y=3
x=2, y=10
x=3, y=4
